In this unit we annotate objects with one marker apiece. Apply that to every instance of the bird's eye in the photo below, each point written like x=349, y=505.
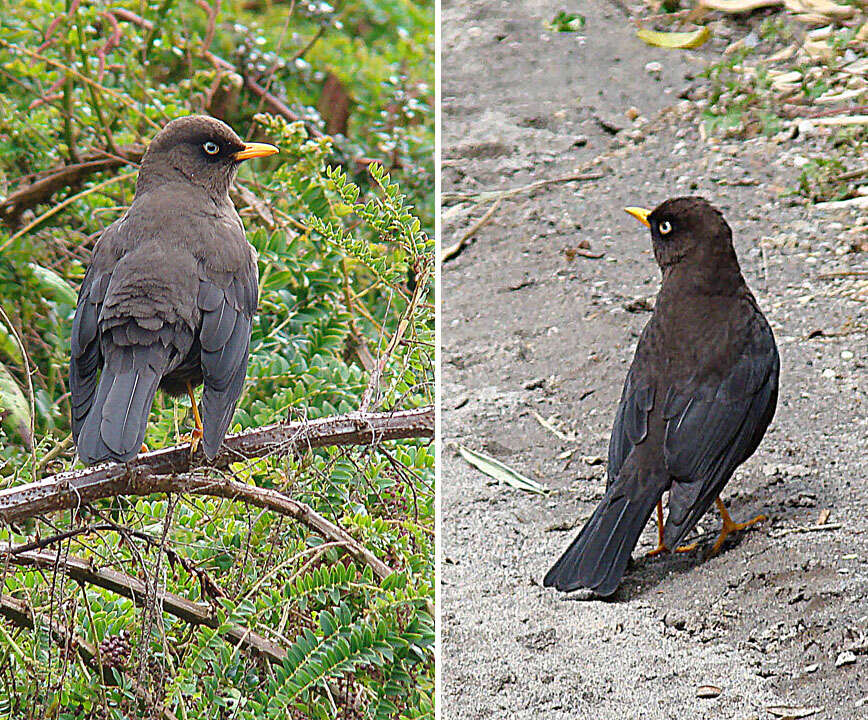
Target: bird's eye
x=665, y=227
x=211, y=147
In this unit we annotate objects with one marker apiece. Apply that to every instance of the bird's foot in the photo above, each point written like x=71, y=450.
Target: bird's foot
x=661, y=549
x=730, y=526
x=193, y=438
x=198, y=431
x=687, y=548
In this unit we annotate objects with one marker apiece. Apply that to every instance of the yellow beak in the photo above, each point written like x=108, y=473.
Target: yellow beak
x=641, y=214
x=253, y=150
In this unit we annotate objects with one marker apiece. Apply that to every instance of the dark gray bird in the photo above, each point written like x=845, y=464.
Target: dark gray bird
x=697, y=400
x=169, y=296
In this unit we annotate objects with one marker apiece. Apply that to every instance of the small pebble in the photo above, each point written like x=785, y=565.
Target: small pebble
x=845, y=658
x=806, y=129
x=846, y=355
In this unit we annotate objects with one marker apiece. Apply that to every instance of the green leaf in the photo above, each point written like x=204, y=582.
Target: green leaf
x=500, y=472
x=566, y=22
x=9, y=346
x=14, y=408
x=53, y=285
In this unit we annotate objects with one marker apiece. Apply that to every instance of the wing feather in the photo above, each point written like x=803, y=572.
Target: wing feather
x=714, y=426
x=631, y=418
x=227, y=316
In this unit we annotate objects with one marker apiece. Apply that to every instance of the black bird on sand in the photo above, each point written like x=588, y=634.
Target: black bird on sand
x=697, y=400
x=169, y=296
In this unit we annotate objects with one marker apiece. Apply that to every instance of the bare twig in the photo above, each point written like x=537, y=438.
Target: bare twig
x=811, y=113
x=403, y=323
x=57, y=208
x=54, y=452
x=30, y=394
x=493, y=195
x=212, y=22
x=275, y=104
x=842, y=274
x=302, y=51
x=362, y=351
x=805, y=529
x=455, y=249
x=852, y=175
x=120, y=97
x=130, y=16
x=195, y=613
x=154, y=593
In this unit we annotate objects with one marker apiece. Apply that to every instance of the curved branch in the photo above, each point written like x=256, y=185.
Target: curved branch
x=195, y=613
x=158, y=472
x=44, y=185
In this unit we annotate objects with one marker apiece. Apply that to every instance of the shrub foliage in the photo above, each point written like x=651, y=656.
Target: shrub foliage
x=342, y=221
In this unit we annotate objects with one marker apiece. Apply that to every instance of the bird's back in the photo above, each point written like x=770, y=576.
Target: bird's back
x=141, y=309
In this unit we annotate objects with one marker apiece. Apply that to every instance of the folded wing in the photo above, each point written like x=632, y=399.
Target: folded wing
x=714, y=425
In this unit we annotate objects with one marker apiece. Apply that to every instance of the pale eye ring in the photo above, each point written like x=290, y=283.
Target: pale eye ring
x=665, y=227
x=211, y=147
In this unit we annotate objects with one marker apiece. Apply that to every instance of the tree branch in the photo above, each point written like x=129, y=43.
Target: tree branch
x=275, y=104
x=157, y=472
x=83, y=571
x=44, y=185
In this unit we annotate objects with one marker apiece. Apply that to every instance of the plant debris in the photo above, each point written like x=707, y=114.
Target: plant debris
x=675, y=40
x=500, y=472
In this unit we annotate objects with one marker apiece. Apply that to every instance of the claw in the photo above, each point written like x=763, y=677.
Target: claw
x=730, y=526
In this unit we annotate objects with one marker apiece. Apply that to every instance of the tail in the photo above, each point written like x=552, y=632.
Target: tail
x=115, y=426
x=598, y=557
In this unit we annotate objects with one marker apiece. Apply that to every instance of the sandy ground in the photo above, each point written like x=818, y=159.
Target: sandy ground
x=531, y=328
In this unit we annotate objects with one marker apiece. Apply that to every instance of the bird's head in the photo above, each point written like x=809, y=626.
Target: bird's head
x=687, y=229
x=200, y=149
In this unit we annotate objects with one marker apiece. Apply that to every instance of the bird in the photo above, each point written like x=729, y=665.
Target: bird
x=697, y=400
x=168, y=298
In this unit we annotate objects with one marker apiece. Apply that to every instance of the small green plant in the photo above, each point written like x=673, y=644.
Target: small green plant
x=820, y=180
x=566, y=22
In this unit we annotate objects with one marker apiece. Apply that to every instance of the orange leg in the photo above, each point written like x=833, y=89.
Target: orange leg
x=196, y=435
x=730, y=526
x=661, y=548
x=687, y=548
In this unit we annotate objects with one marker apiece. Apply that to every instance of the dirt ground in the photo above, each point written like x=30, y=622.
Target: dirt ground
x=780, y=617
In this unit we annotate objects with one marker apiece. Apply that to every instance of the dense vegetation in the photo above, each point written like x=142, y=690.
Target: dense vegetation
x=342, y=221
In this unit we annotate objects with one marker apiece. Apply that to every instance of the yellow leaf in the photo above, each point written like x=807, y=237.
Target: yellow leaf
x=675, y=40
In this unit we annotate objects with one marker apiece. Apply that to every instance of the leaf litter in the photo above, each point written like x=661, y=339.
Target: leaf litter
x=501, y=472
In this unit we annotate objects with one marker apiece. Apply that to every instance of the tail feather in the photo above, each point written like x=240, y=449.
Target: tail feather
x=115, y=426
x=597, y=558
